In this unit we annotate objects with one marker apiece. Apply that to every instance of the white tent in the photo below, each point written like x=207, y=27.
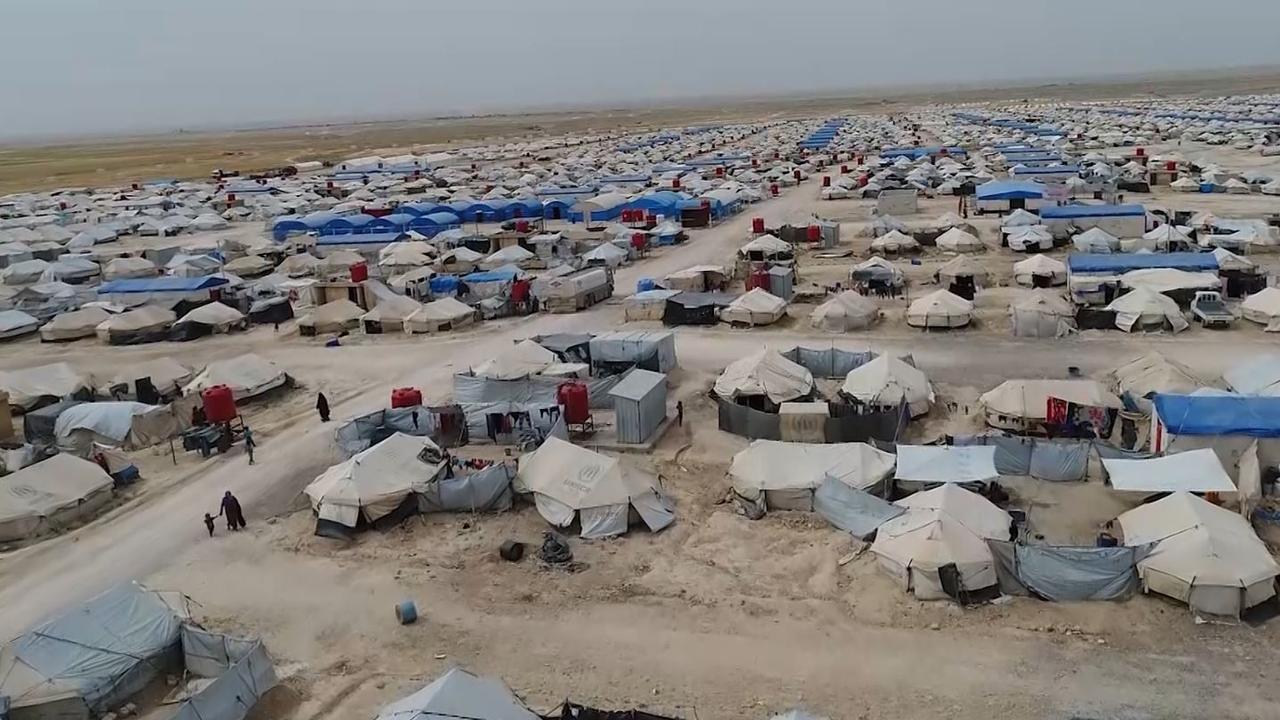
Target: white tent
x=375, y=482
x=957, y=240
x=766, y=247
x=28, y=386
x=1204, y=555
x=218, y=317
x=606, y=254
x=332, y=317
x=1023, y=404
x=299, y=265
x=940, y=309
x=886, y=381
x=458, y=694
x=1163, y=280
x=247, y=375
x=166, y=375
x=1030, y=237
x=1043, y=313
x=73, y=325
x=1263, y=307
x=962, y=267
x=568, y=481
x=15, y=323
x=764, y=373
x=1153, y=373
x=1166, y=236
x=129, y=267
x=1197, y=471
x=1048, y=270
x=784, y=475
x=1096, y=240
x=460, y=260
x=1020, y=218
x=846, y=311
x=389, y=314
x=895, y=241
x=50, y=496
x=510, y=255
x=1146, y=309
x=143, y=323
x=249, y=266
x=521, y=360
x=440, y=316
x=757, y=307
x=944, y=526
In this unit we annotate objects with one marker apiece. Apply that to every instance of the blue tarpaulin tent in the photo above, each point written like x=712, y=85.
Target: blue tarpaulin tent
x=1257, y=417
x=1098, y=263
x=1009, y=190
x=1068, y=212
x=161, y=284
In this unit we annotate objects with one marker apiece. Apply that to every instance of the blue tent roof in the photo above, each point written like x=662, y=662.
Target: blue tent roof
x=317, y=220
x=438, y=218
x=1257, y=417
x=1124, y=262
x=490, y=276
x=161, y=284
x=1009, y=190
x=420, y=208
x=1089, y=211
x=372, y=238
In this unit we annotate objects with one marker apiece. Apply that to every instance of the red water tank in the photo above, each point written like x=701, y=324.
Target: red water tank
x=675, y=183
x=219, y=404
x=359, y=272
x=329, y=184
x=773, y=190
x=758, y=279
x=796, y=174
x=1140, y=151
x=844, y=169
x=638, y=240
x=719, y=171
x=862, y=181
x=522, y=226
x=857, y=160
x=826, y=181
x=706, y=203
x=755, y=163
x=813, y=233
x=628, y=216
x=405, y=397
x=651, y=219
x=1171, y=165
x=520, y=290
x=231, y=197
x=573, y=397
x=757, y=226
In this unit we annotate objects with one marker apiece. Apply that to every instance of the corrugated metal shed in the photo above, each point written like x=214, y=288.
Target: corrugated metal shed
x=639, y=405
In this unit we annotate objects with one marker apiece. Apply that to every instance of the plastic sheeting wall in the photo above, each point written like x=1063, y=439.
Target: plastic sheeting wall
x=242, y=672
x=828, y=362
x=487, y=490
x=1052, y=460
x=864, y=427
x=1066, y=573
x=361, y=433
x=479, y=397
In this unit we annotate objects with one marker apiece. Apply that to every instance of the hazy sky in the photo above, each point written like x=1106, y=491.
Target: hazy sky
x=110, y=66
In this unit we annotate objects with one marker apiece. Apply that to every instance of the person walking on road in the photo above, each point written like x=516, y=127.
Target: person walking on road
x=249, y=443
x=322, y=407
x=208, y=523
x=679, y=413
x=231, y=508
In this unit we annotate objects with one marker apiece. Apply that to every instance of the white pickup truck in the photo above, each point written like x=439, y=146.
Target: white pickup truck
x=1210, y=311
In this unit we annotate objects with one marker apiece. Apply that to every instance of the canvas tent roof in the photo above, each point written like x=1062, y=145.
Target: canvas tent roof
x=521, y=360
x=1204, y=415
x=1027, y=399
x=1154, y=373
x=894, y=241
x=568, y=481
x=1039, y=265
x=1164, y=280
x=374, y=482
x=846, y=311
x=1263, y=307
x=1197, y=470
x=764, y=373
x=772, y=465
x=15, y=322
x=46, y=495
x=247, y=375
x=757, y=307
x=332, y=316
x=962, y=267
x=75, y=324
x=940, y=308
x=768, y=245
x=214, y=314
x=1205, y=555
x=146, y=318
x=1143, y=307
x=957, y=240
x=25, y=387
x=944, y=526
x=92, y=652
x=946, y=464
x=165, y=373
x=888, y=380
x=459, y=694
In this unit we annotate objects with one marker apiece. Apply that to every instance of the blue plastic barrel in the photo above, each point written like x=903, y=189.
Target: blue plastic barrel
x=1206, y=187
x=407, y=612
x=645, y=284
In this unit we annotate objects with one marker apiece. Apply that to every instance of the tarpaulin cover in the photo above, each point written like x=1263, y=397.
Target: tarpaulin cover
x=480, y=397
x=487, y=490
x=852, y=510
x=359, y=433
x=98, y=653
x=828, y=362
x=1219, y=415
x=1013, y=454
x=241, y=670
x=1066, y=573
x=1191, y=471
x=1090, y=211
x=1116, y=263
x=945, y=464
x=459, y=694
x=1059, y=462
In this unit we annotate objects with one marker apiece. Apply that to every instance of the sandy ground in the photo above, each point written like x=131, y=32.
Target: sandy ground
x=716, y=617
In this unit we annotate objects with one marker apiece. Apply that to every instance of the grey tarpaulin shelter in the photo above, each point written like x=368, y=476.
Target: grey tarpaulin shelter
x=852, y=510
x=444, y=425
x=90, y=659
x=459, y=695
x=485, y=490
x=241, y=672
x=481, y=398
x=649, y=349
x=828, y=362
x=1066, y=573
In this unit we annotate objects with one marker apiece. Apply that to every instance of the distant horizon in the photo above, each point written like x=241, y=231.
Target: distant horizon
x=892, y=91
x=88, y=69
